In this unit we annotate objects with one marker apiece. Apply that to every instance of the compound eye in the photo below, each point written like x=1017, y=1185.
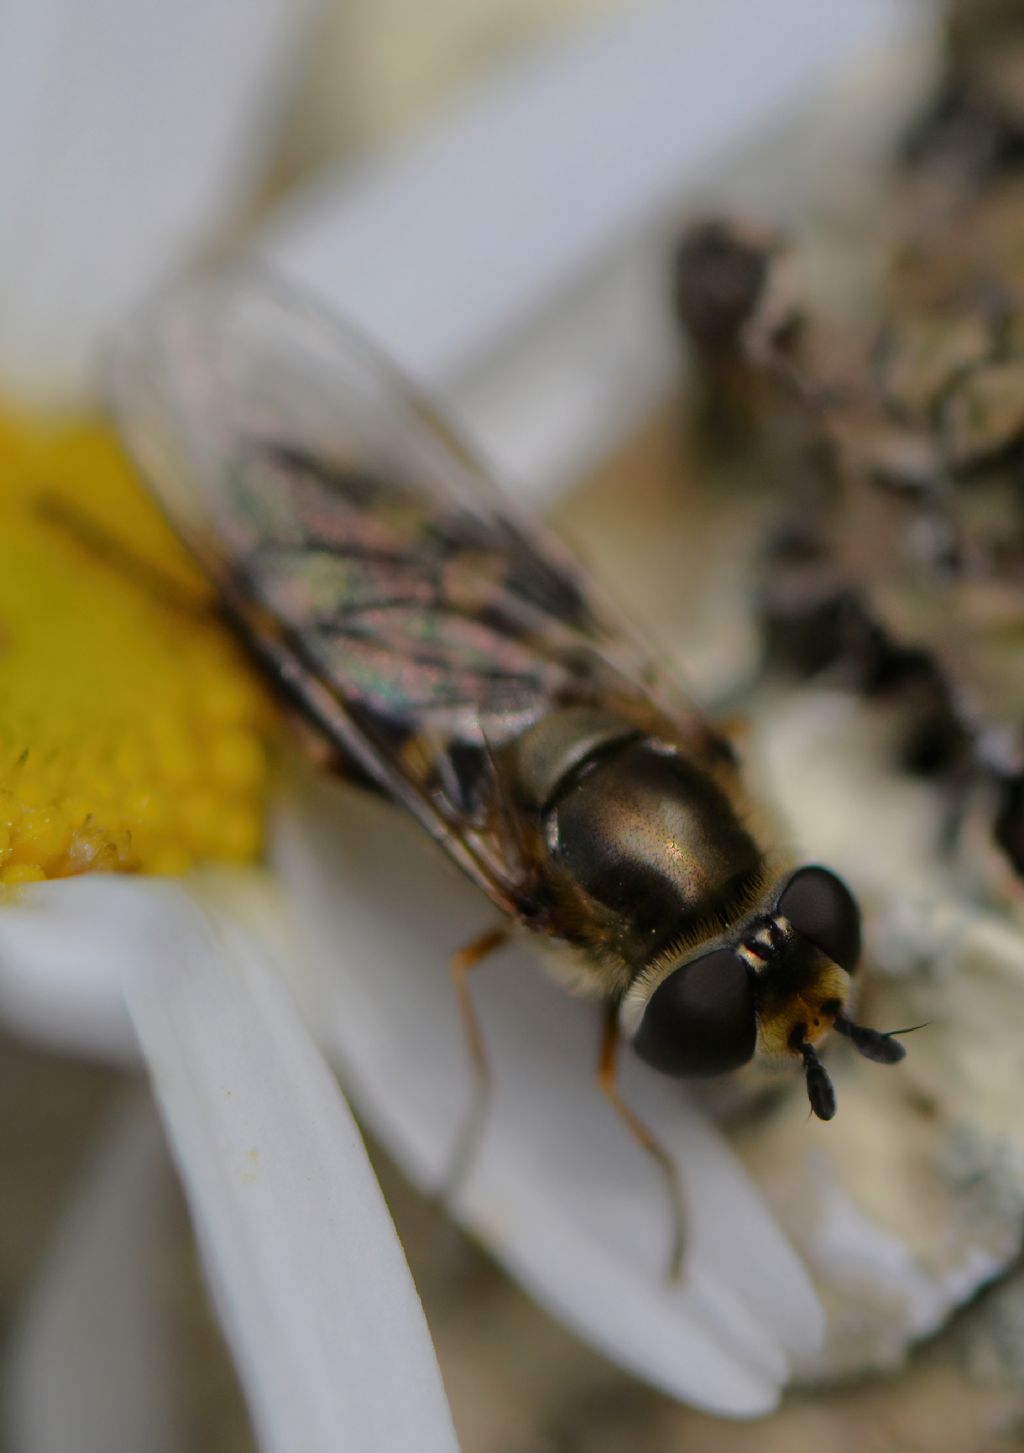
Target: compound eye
x=822, y=909
x=700, y=1020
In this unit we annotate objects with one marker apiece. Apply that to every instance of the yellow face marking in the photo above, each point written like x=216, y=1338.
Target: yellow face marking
x=132, y=738
x=775, y=1037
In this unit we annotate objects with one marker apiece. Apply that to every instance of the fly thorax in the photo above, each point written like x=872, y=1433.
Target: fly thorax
x=648, y=838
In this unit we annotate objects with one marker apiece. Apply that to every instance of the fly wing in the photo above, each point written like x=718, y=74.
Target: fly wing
x=387, y=587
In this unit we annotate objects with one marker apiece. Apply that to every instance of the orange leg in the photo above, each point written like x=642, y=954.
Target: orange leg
x=607, y=1066
x=468, y=1138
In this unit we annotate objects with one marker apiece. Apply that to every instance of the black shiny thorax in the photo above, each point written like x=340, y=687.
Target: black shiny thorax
x=649, y=841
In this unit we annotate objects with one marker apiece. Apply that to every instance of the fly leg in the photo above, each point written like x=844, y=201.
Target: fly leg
x=103, y=545
x=468, y=1138
x=607, y=1067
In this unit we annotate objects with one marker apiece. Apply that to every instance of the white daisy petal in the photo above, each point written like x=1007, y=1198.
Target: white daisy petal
x=559, y=1189
x=89, y=1366
x=326, y=1329
x=487, y=254
x=64, y=954
x=129, y=131
x=62, y=959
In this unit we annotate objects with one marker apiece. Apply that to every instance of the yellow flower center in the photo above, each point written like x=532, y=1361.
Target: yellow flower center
x=132, y=737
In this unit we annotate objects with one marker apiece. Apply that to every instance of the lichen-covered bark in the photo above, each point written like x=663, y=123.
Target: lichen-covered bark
x=897, y=565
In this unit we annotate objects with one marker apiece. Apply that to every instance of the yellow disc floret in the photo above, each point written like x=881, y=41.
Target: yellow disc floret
x=132, y=736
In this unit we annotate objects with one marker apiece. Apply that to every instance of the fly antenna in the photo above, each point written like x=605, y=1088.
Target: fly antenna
x=874, y=1044
x=820, y=1089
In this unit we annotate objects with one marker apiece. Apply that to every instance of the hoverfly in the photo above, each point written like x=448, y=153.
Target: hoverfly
x=452, y=656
